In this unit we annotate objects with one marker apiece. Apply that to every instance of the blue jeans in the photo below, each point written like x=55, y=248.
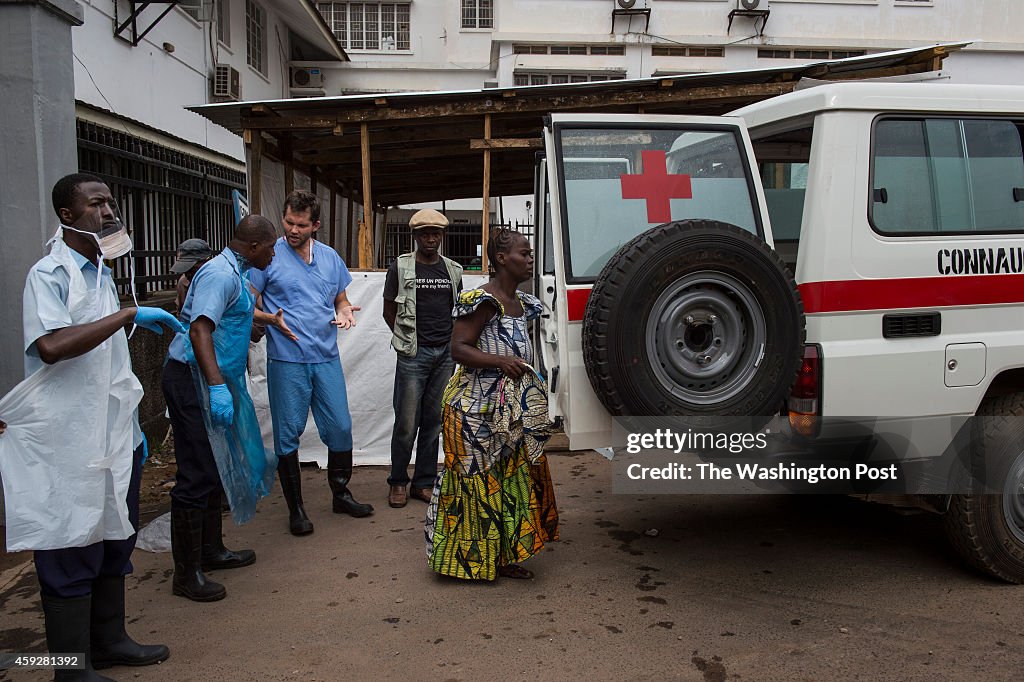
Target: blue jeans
x=294, y=388
x=419, y=387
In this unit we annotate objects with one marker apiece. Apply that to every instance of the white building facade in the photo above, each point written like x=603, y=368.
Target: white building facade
x=456, y=44
x=137, y=65
x=175, y=62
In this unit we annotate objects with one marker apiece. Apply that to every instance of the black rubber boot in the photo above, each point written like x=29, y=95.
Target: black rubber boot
x=186, y=546
x=215, y=554
x=111, y=644
x=67, y=632
x=291, y=486
x=339, y=473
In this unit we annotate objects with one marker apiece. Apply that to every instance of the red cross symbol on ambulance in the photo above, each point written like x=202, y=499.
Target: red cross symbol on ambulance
x=657, y=186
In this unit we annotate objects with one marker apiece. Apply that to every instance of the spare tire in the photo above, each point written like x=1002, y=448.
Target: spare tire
x=694, y=318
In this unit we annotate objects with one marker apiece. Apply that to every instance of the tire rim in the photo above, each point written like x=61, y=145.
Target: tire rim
x=705, y=337
x=1013, y=498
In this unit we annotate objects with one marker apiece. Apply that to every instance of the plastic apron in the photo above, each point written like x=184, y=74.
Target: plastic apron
x=66, y=458
x=246, y=468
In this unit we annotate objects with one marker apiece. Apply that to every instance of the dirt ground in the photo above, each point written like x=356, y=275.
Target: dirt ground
x=640, y=587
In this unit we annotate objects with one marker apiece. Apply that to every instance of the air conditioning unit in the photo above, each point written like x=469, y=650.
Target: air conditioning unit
x=307, y=77
x=751, y=4
x=490, y=84
x=200, y=10
x=226, y=82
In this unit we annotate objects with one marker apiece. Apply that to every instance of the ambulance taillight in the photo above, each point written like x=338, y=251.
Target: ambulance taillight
x=804, y=402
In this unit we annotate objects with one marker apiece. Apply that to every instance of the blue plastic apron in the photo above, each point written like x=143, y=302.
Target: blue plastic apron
x=246, y=468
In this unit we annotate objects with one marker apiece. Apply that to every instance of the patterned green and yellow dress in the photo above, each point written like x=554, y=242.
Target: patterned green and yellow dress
x=490, y=506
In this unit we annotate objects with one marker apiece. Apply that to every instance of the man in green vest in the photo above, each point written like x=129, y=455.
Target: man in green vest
x=419, y=294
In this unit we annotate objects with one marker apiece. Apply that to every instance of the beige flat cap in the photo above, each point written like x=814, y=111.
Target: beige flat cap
x=428, y=217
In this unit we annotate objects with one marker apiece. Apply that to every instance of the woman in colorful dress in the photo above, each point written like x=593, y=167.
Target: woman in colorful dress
x=493, y=504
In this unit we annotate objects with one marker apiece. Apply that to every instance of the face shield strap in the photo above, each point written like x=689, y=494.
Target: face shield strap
x=120, y=251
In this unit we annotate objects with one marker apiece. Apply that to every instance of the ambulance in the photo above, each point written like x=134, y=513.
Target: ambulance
x=846, y=250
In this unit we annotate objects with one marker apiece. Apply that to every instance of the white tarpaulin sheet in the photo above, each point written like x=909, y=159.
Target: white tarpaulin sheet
x=369, y=365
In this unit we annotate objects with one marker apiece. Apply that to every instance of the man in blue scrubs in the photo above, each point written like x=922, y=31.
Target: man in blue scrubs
x=307, y=282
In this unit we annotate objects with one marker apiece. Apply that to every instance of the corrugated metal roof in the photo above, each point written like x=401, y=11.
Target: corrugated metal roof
x=230, y=115
x=427, y=146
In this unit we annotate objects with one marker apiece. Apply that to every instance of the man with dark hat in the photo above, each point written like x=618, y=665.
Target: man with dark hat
x=192, y=253
x=419, y=293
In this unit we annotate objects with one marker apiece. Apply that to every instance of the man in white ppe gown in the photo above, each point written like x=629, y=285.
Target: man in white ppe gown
x=71, y=455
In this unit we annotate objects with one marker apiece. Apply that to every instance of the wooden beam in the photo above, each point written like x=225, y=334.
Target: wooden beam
x=255, y=170
x=366, y=229
x=350, y=228
x=600, y=99
x=485, y=222
x=288, y=162
x=508, y=143
x=441, y=153
x=419, y=131
x=332, y=225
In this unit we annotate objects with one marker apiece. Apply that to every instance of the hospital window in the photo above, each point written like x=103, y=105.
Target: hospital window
x=368, y=25
x=477, y=13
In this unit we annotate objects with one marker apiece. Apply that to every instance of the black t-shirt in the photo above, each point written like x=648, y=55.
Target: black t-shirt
x=433, y=301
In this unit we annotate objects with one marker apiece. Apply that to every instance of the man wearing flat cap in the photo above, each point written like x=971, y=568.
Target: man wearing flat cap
x=192, y=253
x=419, y=293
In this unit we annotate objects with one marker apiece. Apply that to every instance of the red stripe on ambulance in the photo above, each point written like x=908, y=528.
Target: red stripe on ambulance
x=882, y=294
x=912, y=292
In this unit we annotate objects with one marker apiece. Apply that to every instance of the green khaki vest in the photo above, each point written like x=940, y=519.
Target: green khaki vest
x=404, y=338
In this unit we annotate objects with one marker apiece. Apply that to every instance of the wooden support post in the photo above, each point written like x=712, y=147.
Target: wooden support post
x=485, y=221
x=379, y=254
x=289, y=169
x=350, y=226
x=314, y=177
x=366, y=227
x=255, y=139
x=332, y=225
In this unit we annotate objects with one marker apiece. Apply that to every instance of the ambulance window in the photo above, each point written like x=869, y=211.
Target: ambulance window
x=619, y=183
x=947, y=175
x=784, y=166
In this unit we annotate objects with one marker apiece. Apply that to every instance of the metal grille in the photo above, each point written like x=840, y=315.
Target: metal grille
x=166, y=197
x=461, y=241
x=368, y=26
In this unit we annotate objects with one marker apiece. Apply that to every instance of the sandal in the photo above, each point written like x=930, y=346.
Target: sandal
x=515, y=571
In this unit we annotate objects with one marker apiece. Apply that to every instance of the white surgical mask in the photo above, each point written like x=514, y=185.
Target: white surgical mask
x=113, y=242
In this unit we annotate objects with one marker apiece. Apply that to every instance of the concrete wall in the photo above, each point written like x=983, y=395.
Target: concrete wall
x=38, y=148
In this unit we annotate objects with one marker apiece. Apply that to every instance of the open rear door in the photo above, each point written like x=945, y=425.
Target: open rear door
x=608, y=179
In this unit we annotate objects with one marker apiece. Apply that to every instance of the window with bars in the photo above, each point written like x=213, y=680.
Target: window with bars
x=802, y=53
x=526, y=78
x=477, y=13
x=368, y=25
x=256, y=36
x=570, y=49
x=682, y=51
x=224, y=22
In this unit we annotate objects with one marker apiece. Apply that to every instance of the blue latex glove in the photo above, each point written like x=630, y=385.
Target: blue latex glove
x=152, y=318
x=222, y=408
x=145, y=449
